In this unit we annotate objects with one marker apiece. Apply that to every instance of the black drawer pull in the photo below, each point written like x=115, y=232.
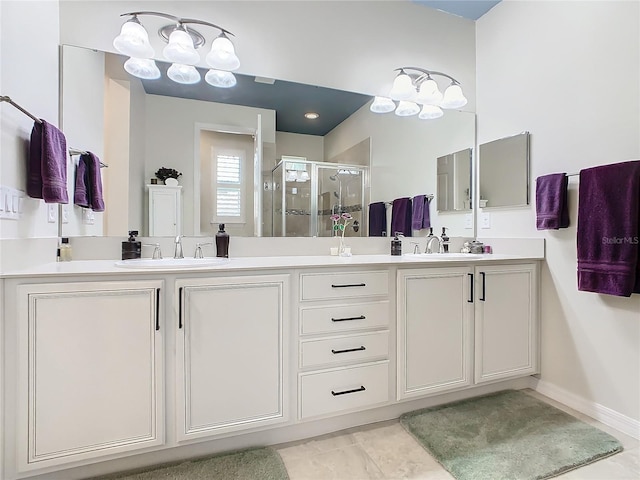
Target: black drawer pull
x=361, y=389
x=346, y=319
x=360, y=348
x=471, y=285
x=484, y=295
x=349, y=285
x=157, y=309
x=180, y=307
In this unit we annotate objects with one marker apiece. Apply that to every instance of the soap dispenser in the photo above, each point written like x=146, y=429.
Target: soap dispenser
x=445, y=240
x=222, y=242
x=132, y=248
x=396, y=245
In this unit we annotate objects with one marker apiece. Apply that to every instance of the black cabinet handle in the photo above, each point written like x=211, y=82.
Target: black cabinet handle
x=346, y=319
x=361, y=389
x=349, y=285
x=180, y=307
x=157, y=309
x=360, y=348
x=471, y=296
x=484, y=296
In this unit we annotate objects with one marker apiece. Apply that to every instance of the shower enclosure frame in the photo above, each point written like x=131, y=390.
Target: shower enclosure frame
x=314, y=167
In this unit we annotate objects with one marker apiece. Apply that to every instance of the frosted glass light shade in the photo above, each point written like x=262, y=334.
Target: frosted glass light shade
x=144, y=68
x=303, y=176
x=453, y=97
x=382, y=105
x=133, y=40
x=222, y=55
x=430, y=112
x=291, y=176
x=220, y=78
x=406, y=109
x=186, y=74
x=180, y=48
x=429, y=93
x=402, y=88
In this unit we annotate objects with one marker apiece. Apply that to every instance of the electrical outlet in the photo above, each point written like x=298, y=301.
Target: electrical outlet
x=65, y=213
x=485, y=220
x=88, y=217
x=52, y=212
x=468, y=221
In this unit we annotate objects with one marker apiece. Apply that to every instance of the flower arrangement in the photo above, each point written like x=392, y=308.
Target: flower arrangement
x=164, y=173
x=340, y=223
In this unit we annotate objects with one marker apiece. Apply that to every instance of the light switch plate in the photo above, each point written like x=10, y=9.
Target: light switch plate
x=468, y=221
x=485, y=220
x=65, y=213
x=52, y=212
x=88, y=217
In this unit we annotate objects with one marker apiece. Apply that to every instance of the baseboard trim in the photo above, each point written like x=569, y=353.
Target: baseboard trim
x=606, y=415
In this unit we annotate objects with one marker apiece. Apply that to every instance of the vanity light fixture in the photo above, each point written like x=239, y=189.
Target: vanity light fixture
x=415, y=87
x=182, y=42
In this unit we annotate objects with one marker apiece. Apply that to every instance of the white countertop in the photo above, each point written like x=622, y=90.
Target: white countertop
x=108, y=267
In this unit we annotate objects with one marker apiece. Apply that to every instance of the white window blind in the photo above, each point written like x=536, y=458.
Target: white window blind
x=229, y=188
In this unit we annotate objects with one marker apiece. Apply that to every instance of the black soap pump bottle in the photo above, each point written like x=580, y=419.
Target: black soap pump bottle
x=396, y=245
x=445, y=240
x=222, y=242
x=132, y=248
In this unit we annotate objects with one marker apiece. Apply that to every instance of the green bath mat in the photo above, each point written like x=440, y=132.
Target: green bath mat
x=507, y=435
x=256, y=464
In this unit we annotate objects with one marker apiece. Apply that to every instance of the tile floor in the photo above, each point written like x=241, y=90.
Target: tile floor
x=386, y=451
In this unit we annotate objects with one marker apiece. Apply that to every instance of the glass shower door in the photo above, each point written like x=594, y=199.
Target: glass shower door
x=340, y=189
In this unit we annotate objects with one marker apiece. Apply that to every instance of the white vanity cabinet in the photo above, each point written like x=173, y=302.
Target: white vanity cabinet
x=165, y=210
x=89, y=371
x=231, y=369
x=506, y=321
x=434, y=330
x=344, y=342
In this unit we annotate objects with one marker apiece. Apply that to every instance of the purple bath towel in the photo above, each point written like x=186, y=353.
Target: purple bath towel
x=552, y=210
x=47, y=165
x=88, y=192
x=401, y=216
x=609, y=229
x=377, y=219
x=421, y=217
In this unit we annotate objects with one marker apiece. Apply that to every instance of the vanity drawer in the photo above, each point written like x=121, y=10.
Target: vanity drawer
x=346, y=389
x=350, y=348
x=324, y=286
x=343, y=318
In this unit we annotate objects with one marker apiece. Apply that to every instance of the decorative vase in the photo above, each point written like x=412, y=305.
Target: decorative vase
x=343, y=249
x=173, y=182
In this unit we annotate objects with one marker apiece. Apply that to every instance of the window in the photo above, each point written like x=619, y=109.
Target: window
x=229, y=187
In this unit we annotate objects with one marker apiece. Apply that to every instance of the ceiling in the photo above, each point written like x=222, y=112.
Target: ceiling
x=290, y=100
x=471, y=9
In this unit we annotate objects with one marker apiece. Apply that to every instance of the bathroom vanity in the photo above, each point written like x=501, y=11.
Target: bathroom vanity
x=102, y=362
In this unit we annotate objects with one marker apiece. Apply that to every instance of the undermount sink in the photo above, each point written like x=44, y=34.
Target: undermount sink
x=445, y=256
x=171, y=262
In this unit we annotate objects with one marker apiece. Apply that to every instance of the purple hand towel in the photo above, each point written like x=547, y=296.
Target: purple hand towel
x=94, y=181
x=417, y=216
x=552, y=210
x=47, y=165
x=609, y=229
x=81, y=193
x=401, y=216
x=377, y=219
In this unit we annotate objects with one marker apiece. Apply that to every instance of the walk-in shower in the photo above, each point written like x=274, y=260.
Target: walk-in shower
x=307, y=193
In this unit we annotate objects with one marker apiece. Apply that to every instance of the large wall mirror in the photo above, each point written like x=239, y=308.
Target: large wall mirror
x=505, y=158
x=135, y=131
x=454, y=191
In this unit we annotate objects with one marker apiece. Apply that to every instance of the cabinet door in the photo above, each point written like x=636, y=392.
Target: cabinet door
x=230, y=366
x=90, y=371
x=434, y=330
x=506, y=322
x=164, y=211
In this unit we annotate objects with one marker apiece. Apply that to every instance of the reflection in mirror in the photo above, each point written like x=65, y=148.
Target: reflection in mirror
x=109, y=113
x=504, y=172
x=454, y=182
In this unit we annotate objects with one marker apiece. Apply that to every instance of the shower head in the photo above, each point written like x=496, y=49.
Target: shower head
x=335, y=194
x=333, y=177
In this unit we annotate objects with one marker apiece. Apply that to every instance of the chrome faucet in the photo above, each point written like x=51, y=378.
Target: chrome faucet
x=198, y=253
x=178, y=251
x=429, y=249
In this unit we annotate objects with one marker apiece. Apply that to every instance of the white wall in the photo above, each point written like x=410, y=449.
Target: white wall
x=404, y=154
x=569, y=72
x=298, y=145
x=33, y=85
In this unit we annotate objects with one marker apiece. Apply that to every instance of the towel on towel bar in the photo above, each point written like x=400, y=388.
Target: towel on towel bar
x=401, y=216
x=47, y=164
x=552, y=210
x=88, y=191
x=377, y=219
x=609, y=229
x=421, y=217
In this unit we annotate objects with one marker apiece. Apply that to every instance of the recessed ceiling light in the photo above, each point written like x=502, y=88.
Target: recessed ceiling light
x=311, y=115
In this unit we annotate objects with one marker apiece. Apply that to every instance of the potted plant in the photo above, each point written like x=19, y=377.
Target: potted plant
x=168, y=175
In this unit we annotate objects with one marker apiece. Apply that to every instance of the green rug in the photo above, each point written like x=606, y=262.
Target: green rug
x=507, y=435
x=256, y=464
